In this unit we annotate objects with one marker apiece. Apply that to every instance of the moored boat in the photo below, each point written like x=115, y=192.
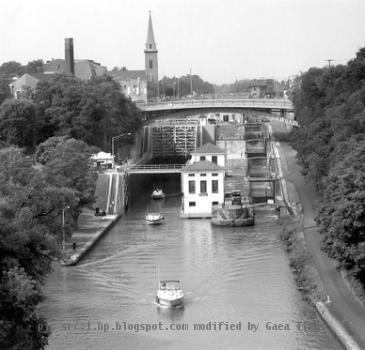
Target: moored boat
x=233, y=212
x=154, y=218
x=157, y=194
x=170, y=293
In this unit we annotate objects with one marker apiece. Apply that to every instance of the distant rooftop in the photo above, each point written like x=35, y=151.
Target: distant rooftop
x=128, y=74
x=203, y=165
x=208, y=148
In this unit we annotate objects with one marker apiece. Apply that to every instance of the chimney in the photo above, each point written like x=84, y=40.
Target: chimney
x=69, y=56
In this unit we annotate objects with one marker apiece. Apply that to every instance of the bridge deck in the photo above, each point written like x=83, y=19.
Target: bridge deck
x=277, y=104
x=156, y=169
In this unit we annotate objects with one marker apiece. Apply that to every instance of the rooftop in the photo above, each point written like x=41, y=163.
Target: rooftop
x=208, y=148
x=203, y=165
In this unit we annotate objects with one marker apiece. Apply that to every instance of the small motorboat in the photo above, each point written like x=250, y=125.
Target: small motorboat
x=154, y=218
x=170, y=293
x=157, y=194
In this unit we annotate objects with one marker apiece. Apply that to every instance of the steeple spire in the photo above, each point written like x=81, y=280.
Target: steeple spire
x=150, y=44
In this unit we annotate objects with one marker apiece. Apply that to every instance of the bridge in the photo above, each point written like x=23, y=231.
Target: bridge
x=214, y=104
x=156, y=169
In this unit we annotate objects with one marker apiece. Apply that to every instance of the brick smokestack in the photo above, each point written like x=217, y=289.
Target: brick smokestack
x=69, y=56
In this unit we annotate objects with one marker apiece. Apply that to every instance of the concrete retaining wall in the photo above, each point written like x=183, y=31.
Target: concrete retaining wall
x=337, y=328
x=75, y=258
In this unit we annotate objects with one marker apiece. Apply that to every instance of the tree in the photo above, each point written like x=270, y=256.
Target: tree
x=68, y=165
x=330, y=108
x=19, y=123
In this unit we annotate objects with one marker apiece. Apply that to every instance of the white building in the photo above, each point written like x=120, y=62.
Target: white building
x=209, y=152
x=102, y=161
x=202, y=184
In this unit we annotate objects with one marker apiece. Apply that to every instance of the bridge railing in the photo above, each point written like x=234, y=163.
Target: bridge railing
x=157, y=166
x=238, y=102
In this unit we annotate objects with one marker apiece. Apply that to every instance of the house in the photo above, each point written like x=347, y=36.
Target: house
x=102, y=160
x=24, y=86
x=133, y=83
x=202, y=184
x=211, y=153
x=258, y=88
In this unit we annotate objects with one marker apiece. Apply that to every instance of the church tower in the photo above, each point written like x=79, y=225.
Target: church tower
x=151, y=62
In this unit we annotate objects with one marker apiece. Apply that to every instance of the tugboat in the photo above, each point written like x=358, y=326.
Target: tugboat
x=157, y=194
x=233, y=212
x=170, y=293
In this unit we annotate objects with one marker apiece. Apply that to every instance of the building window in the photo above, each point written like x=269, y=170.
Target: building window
x=191, y=175
x=214, y=159
x=192, y=186
x=192, y=204
x=203, y=174
x=150, y=64
x=202, y=157
x=150, y=46
x=214, y=203
x=215, y=174
x=214, y=186
x=203, y=187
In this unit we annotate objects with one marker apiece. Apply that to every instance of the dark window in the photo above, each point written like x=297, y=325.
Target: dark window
x=150, y=64
x=202, y=157
x=203, y=174
x=215, y=174
x=192, y=186
x=214, y=203
x=150, y=46
x=203, y=186
x=214, y=159
x=191, y=204
x=214, y=186
x=191, y=174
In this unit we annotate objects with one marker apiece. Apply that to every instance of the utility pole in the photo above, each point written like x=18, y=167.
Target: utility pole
x=191, y=84
x=329, y=62
x=178, y=88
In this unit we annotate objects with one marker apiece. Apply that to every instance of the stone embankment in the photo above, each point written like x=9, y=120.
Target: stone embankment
x=90, y=229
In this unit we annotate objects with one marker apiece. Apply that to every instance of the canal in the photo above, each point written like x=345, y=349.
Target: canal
x=231, y=275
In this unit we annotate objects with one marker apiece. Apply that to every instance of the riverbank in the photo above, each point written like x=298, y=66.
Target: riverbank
x=90, y=229
x=317, y=274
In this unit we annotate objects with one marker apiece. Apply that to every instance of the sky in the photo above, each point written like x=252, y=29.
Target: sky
x=220, y=40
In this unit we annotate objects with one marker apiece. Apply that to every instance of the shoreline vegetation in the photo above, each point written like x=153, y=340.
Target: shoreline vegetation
x=305, y=272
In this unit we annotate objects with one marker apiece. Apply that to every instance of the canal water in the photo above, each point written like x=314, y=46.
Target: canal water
x=236, y=276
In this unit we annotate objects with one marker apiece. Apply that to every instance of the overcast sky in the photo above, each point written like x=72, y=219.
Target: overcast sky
x=221, y=40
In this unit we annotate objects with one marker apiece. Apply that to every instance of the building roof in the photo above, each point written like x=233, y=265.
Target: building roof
x=41, y=76
x=203, y=165
x=102, y=156
x=128, y=75
x=208, y=148
x=258, y=83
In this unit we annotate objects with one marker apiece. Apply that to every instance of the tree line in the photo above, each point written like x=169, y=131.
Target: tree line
x=45, y=148
x=330, y=108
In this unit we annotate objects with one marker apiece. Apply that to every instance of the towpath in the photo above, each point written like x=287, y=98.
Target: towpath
x=344, y=306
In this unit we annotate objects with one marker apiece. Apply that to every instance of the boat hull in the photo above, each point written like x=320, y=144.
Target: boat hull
x=233, y=222
x=154, y=222
x=170, y=303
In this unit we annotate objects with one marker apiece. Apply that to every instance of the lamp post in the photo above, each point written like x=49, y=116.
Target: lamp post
x=113, y=140
x=63, y=227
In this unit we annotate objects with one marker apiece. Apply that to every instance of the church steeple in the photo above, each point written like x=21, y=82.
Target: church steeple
x=150, y=53
x=150, y=44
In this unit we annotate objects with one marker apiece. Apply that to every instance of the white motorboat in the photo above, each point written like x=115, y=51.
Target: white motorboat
x=170, y=293
x=157, y=194
x=154, y=218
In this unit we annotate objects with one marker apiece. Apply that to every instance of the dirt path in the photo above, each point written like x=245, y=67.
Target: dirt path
x=344, y=305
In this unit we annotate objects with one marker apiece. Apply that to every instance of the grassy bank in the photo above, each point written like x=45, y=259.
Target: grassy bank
x=305, y=272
